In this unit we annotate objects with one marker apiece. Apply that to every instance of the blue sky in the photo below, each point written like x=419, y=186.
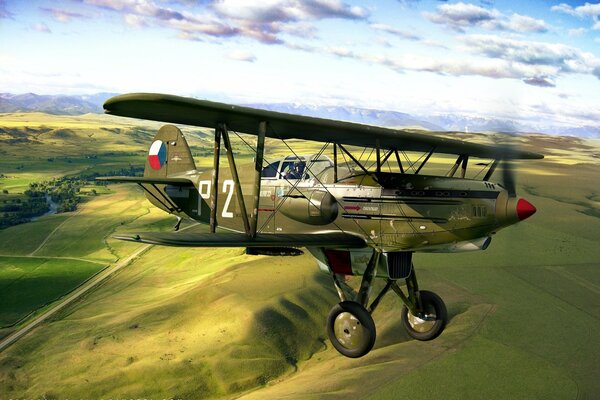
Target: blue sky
x=531, y=61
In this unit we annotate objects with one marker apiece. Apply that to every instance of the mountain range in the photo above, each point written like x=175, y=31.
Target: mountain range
x=82, y=104
x=53, y=104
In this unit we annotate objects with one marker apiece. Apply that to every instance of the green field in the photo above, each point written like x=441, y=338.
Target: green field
x=216, y=323
x=29, y=283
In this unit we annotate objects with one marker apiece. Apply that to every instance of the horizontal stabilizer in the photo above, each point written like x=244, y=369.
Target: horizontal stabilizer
x=142, y=179
x=181, y=239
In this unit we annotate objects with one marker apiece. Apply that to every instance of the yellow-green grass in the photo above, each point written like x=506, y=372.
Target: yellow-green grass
x=209, y=322
x=203, y=322
x=28, y=283
x=25, y=238
x=78, y=235
x=200, y=323
x=84, y=233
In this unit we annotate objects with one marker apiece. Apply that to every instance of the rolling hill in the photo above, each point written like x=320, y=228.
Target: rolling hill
x=216, y=323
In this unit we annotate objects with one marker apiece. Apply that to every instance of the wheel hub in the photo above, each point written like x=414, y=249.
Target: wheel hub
x=422, y=322
x=349, y=332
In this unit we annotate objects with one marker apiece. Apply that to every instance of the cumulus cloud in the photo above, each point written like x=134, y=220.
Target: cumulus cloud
x=487, y=67
x=135, y=20
x=269, y=11
x=587, y=10
x=459, y=16
x=561, y=57
x=404, y=34
x=241, y=55
x=534, y=63
x=61, y=15
x=41, y=27
x=539, y=81
x=576, y=32
x=262, y=21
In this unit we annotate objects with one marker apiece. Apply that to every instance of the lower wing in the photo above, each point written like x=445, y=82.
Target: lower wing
x=184, y=239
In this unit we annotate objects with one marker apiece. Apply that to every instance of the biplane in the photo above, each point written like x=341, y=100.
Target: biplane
x=355, y=219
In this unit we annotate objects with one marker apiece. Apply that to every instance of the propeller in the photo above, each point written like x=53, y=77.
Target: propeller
x=518, y=209
x=508, y=177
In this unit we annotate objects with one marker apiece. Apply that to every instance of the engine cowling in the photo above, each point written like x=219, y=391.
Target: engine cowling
x=317, y=207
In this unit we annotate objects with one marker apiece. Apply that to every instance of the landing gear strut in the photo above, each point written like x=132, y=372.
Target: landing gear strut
x=351, y=328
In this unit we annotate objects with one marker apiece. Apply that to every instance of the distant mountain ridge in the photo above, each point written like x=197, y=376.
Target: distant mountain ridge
x=53, y=104
x=353, y=114
x=434, y=121
x=82, y=104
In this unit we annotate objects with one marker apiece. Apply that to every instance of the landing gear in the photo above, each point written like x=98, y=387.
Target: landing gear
x=351, y=329
x=430, y=322
x=350, y=325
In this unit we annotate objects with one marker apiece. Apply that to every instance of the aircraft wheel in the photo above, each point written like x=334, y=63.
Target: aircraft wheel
x=433, y=320
x=351, y=329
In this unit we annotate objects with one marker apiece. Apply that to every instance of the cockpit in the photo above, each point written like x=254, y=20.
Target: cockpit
x=297, y=167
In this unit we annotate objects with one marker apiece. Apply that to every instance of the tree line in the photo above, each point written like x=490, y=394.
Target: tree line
x=64, y=194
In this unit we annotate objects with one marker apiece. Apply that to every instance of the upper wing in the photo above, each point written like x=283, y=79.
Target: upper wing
x=184, y=239
x=182, y=110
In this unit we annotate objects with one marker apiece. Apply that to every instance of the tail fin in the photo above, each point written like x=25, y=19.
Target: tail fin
x=169, y=154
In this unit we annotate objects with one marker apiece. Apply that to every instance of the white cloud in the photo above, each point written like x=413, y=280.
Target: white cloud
x=587, y=10
x=268, y=11
x=262, y=21
x=523, y=23
x=41, y=27
x=576, y=32
x=135, y=20
x=460, y=16
x=62, y=15
x=241, y=55
x=404, y=34
x=555, y=57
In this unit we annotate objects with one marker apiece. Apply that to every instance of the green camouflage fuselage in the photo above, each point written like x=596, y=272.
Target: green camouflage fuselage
x=400, y=212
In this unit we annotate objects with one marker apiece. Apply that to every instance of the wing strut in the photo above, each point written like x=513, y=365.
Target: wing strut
x=463, y=170
x=169, y=205
x=399, y=161
x=488, y=175
x=424, y=161
x=335, y=164
x=378, y=154
x=455, y=166
x=236, y=178
x=353, y=159
x=215, y=181
x=260, y=151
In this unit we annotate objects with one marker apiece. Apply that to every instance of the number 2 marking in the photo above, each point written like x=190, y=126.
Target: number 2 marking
x=204, y=191
x=226, y=184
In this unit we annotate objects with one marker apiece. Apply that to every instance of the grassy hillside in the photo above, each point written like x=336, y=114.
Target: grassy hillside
x=215, y=323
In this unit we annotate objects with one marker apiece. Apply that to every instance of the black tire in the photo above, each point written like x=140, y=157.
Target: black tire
x=355, y=329
x=433, y=306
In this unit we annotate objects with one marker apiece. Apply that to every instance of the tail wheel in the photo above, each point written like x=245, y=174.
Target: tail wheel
x=431, y=322
x=351, y=329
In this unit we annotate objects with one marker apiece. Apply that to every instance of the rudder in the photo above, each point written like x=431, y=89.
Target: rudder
x=169, y=154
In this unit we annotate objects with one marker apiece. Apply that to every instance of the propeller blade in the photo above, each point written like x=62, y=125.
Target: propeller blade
x=508, y=178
